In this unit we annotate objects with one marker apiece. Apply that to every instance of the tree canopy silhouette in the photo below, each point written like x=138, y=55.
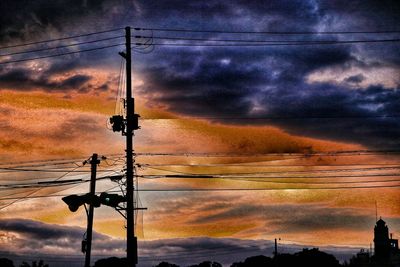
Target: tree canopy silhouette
x=166, y=264
x=4, y=262
x=208, y=264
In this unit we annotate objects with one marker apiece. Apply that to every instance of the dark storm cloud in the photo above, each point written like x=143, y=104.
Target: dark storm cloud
x=38, y=230
x=26, y=79
x=230, y=83
x=215, y=82
x=370, y=14
x=24, y=18
x=325, y=108
x=261, y=15
x=294, y=217
x=356, y=79
x=41, y=235
x=272, y=82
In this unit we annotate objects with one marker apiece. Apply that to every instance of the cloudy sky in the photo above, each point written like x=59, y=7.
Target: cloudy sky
x=287, y=83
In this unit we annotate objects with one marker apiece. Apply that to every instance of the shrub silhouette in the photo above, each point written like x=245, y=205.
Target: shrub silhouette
x=166, y=264
x=256, y=261
x=4, y=262
x=34, y=264
x=207, y=264
x=111, y=262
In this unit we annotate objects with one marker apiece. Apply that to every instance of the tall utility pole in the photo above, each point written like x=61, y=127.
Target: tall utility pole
x=93, y=162
x=131, y=240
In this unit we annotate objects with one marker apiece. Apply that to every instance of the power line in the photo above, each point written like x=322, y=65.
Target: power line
x=62, y=38
x=264, y=189
x=56, y=182
x=5, y=170
x=29, y=196
x=323, y=182
x=227, y=176
x=252, y=165
x=60, y=54
x=283, y=154
x=177, y=190
x=369, y=169
x=52, y=162
x=280, y=117
x=33, y=192
x=52, y=183
x=250, y=42
x=61, y=46
x=265, y=32
x=42, y=162
x=276, y=44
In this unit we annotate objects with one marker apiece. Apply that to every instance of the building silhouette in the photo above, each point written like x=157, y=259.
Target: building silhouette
x=381, y=240
x=386, y=250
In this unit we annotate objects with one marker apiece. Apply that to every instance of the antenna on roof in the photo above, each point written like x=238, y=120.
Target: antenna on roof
x=376, y=211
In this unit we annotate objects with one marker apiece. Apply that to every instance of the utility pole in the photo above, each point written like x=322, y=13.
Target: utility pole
x=94, y=161
x=127, y=126
x=131, y=240
x=276, y=248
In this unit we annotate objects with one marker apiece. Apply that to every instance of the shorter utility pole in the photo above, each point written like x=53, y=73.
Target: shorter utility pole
x=276, y=248
x=93, y=162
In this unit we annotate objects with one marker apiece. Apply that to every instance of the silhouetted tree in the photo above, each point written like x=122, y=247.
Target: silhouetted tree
x=208, y=264
x=166, y=264
x=315, y=258
x=285, y=260
x=256, y=261
x=34, y=264
x=111, y=262
x=307, y=258
x=4, y=262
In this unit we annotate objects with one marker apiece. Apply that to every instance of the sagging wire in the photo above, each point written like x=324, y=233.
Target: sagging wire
x=141, y=47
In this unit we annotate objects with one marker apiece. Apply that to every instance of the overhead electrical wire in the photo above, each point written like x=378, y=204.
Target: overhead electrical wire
x=263, y=32
x=257, y=42
x=34, y=191
x=61, y=54
x=279, y=117
x=183, y=38
x=33, y=163
x=221, y=165
x=286, y=154
x=253, y=165
x=368, y=169
x=201, y=31
x=61, y=46
x=277, y=44
x=52, y=194
x=142, y=46
x=29, y=195
x=264, y=189
x=5, y=169
x=177, y=190
x=227, y=176
x=321, y=182
x=49, y=183
x=51, y=162
x=61, y=38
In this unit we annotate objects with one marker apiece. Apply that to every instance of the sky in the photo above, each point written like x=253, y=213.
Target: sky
x=256, y=115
